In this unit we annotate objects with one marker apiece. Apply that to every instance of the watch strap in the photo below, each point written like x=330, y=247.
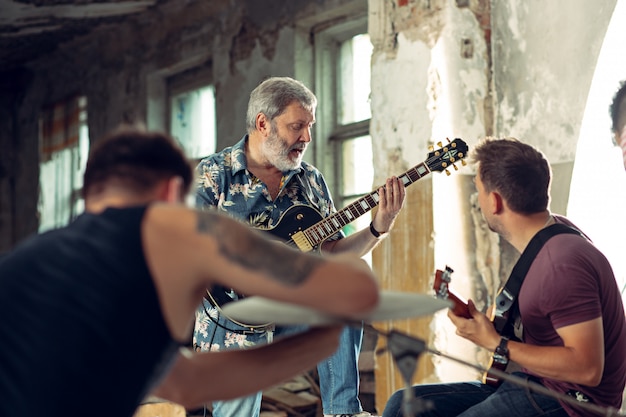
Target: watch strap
x=503, y=347
x=375, y=232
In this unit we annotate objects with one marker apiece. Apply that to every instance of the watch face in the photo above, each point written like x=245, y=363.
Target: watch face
x=500, y=358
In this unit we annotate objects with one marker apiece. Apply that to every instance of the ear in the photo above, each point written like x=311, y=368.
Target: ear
x=263, y=124
x=496, y=202
x=173, y=190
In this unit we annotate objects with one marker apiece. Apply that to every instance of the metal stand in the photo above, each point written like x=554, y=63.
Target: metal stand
x=405, y=351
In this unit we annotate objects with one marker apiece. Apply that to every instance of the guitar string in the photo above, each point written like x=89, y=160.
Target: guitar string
x=356, y=209
x=423, y=166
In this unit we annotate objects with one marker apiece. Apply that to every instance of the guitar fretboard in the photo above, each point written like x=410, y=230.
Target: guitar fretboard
x=333, y=223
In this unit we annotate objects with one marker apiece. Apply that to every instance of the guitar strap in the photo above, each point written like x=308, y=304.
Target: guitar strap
x=506, y=301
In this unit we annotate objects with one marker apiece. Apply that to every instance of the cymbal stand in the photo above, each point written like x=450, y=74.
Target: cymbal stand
x=405, y=351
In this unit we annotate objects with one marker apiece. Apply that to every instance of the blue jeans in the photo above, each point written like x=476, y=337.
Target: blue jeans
x=473, y=399
x=339, y=374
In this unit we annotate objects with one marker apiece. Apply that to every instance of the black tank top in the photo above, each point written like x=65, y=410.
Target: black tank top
x=81, y=329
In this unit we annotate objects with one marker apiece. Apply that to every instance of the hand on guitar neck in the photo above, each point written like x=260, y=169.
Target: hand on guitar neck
x=499, y=362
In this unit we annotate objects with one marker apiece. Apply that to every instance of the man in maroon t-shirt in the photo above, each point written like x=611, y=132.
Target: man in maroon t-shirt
x=574, y=329
x=571, y=283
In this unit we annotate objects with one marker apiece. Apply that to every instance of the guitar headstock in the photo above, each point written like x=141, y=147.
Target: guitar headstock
x=442, y=290
x=442, y=281
x=444, y=157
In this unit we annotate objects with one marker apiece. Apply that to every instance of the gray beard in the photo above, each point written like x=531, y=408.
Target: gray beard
x=277, y=153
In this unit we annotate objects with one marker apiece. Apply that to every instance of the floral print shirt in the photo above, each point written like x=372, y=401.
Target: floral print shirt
x=224, y=182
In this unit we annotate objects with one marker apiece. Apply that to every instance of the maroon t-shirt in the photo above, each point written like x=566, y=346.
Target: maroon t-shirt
x=569, y=282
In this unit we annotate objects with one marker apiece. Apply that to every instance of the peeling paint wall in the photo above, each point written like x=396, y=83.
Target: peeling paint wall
x=545, y=55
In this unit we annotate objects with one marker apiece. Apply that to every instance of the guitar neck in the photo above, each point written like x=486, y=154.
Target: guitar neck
x=459, y=306
x=322, y=230
x=438, y=160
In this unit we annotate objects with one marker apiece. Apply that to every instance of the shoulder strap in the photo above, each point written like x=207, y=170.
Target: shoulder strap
x=508, y=295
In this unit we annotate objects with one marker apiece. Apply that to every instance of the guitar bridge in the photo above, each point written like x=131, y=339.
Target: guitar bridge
x=301, y=242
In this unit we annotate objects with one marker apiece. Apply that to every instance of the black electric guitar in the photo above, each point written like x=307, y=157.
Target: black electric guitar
x=305, y=228
x=441, y=285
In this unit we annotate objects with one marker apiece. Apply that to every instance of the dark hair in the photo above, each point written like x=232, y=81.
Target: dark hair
x=136, y=158
x=617, y=109
x=518, y=171
x=272, y=97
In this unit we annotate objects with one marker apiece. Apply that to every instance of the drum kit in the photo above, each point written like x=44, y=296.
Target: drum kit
x=404, y=349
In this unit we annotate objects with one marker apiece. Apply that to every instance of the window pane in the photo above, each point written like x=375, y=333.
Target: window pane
x=355, y=63
x=56, y=184
x=357, y=166
x=63, y=154
x=192, y=121
x=357, y=179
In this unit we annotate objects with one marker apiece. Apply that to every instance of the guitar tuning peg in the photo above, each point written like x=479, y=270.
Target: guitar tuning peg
x=448, y=139
x=447, y=172
x=463, y=162
x=431, y=148
x=439, y=144
x=456, y=168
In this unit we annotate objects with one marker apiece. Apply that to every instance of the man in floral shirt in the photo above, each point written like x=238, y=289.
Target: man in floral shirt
x=257, y=180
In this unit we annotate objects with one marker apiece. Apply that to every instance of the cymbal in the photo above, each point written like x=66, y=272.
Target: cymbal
x=392, y=305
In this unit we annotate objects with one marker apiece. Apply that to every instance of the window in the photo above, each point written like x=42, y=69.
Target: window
x=354, y=146
x=343, y=61
x=191, y=104
x=355, y=73
x=192, y=121
x=63, y=149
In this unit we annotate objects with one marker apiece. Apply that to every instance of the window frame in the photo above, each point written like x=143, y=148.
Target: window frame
x=59, y=207
x=193, y=78
x=329, y=133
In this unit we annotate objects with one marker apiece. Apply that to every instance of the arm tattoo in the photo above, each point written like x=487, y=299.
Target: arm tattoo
x=250, y=250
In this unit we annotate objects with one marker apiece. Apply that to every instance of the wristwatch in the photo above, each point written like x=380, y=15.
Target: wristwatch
x=375, y=232
x=502, y=351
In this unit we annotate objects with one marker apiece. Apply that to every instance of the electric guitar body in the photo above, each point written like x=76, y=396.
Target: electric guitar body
x=294, y=222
